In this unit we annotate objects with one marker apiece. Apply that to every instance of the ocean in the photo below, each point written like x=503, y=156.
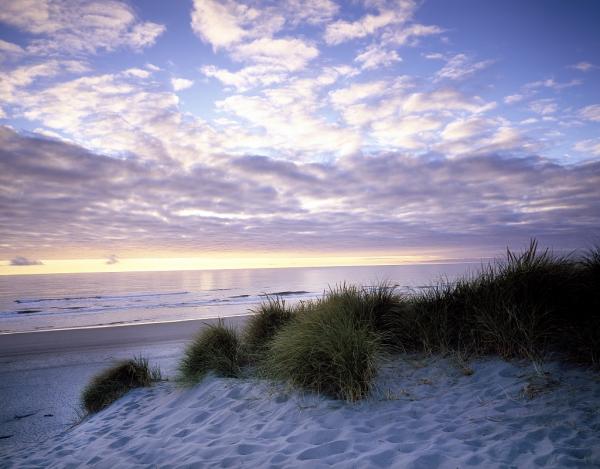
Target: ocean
x=58, y=301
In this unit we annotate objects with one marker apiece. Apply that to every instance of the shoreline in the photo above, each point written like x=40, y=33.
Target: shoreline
x=103, y=336
x=42, y=373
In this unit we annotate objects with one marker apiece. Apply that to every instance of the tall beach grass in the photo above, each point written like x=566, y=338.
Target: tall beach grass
x=218, y=349
x=528, y=305
x=114, y=382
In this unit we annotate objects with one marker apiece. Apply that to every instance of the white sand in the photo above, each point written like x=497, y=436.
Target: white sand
x=420, y=416
x=43, y=373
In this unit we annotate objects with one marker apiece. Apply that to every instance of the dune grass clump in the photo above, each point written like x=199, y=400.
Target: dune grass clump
x=267, y=319
x=369, y=305
x=115, y=382
x=525, y=306
x=216, y=348
x=326, y=349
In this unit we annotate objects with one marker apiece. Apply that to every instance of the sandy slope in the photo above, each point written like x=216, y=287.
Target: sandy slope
x=42, y=374
x=420, y=416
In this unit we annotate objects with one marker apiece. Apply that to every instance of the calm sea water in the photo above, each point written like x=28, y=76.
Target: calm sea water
x=38, y=302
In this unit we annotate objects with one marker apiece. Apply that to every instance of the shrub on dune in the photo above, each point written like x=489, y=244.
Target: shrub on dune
x=115, y=382
x=582, y=328
x=266, y=320
x=368, y=305
x=531, y=303
x=216, y=348
x=326, y=350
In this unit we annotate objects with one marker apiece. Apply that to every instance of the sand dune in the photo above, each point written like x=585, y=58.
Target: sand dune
x=421, y=415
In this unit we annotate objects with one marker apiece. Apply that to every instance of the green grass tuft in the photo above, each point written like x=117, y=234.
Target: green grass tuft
x=115, y=382
x=266, y=320
x=326, y=349
x=528, y=305
x=216, y=348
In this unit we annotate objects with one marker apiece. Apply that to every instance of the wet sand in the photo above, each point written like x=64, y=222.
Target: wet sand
x=42, y=373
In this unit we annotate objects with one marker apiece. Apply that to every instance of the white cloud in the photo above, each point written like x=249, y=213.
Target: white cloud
x=342, y=31
x=181, y=83
x=25, y=75
x=247, y=77
x=220, y=22
x=29, y=15
x=137, y=72
x=465, y=128
x=552, y=84
x=591, y=112
x=544, y=106
x=357, y=92
x=309, y=11
x=225, y=23
x=584, y=66
x=409, y=132
x=514, y=98
x=589, y=146
x=284, y=118
x=290, y=53
x=529, y=121
x=409, y=34
x=70, y=26
x=505, y=138
x=445, y=100
x=375, y=56
x=10, y=50
x=246, y=33
x=143, y=35
x=461, y=66
x=120, y=114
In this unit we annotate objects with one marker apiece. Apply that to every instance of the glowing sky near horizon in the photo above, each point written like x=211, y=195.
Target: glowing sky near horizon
x=344, y=129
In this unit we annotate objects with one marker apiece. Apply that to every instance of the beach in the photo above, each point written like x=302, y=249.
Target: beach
x=42, y=373
x=362, y=377
x=424, y=413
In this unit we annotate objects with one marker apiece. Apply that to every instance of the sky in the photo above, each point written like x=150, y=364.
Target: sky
x=149, y=135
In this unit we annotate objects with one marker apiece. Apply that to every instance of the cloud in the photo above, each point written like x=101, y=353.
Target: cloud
x=283, y=119
x=309, y=11
x=409, y=34
x=223, y=24
x=262, y=203
x=246, y=33
x=376, y=57
x=122, y=113
x=220, y=23
x=21, y=261
x=181, y=83
x=544, y=107
x=514, y=98
x=552, y=84
x=591, y=113
x=290, y=53
x=460, y=66
x=247, y=77
x=70, y=26
x=465, y=128
x=357, y=92
x=445, y=99
x=591, y=146
x=8, y=50
x=410, y=132
x=112, y=259
x=342, y=31
x=583, y=66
